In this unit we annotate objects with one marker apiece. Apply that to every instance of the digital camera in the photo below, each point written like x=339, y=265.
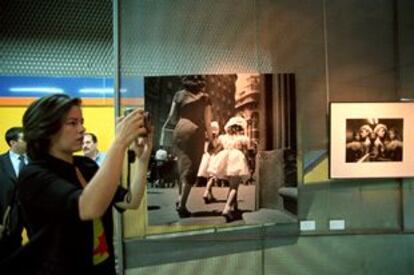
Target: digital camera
x=147, y=116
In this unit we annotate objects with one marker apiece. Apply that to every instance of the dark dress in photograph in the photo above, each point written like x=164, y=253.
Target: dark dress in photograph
x=189, y=133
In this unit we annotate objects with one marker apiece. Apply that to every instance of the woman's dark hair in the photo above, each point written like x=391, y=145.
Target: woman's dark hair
x=194, y=83
x=43, y=118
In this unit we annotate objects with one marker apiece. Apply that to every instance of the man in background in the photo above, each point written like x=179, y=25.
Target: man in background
x=90, y=148
x=11, y=163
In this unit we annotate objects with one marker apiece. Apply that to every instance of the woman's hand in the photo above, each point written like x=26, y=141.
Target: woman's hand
x=130, y=127
x=142, y=146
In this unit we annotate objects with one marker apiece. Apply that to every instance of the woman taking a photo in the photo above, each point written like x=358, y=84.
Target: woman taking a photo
x=66, y=200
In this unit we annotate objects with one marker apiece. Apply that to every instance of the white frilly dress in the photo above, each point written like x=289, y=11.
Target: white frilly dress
x=230, y=161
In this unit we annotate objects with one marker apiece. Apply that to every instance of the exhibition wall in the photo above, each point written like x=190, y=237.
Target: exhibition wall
x=353, y=51
x=338, y=50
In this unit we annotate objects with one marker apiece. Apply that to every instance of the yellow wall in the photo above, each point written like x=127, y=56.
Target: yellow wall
x=99, y=120
x=319, y=173
x=9, y=117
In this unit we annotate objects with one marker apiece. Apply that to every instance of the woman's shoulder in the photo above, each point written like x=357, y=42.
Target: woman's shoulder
x=34, y=172
x=35, y=166
x=179, y=96
x=84, y=161
x=184, y=96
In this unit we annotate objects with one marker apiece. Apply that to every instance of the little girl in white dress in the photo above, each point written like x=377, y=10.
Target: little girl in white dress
x=230, y=163
x=209, y=151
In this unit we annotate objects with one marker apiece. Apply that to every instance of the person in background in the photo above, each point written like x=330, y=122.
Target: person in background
x=65, y=199
x=11, y=163
x=90, y=148
x=161, y=158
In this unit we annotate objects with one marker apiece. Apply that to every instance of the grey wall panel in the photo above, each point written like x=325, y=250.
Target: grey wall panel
x=360, y=58
x=341, y=254
x=298, y=47
x=406, y=46
x=190, y=36
x=369, y=254
x=408, y=204
x=361, y=50
x=238, y=263
x=213, y=253
x=312, y=204
x=365, y=205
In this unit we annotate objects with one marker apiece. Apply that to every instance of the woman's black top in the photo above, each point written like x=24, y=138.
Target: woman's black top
x=48, y=191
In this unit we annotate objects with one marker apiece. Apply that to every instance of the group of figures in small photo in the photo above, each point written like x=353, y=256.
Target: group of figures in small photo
x=374, y=140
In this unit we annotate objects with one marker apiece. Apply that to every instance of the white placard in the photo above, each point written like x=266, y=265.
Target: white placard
x=307, y=225
x=337, y=225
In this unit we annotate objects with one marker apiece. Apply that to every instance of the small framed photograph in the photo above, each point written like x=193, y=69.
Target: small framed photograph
x=371, y=140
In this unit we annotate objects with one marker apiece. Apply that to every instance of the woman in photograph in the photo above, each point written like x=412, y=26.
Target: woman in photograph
x=231, y=163
x=66, y=201
x=394, y=145
x=192, y=107
x=365, y=132
x=378, y=149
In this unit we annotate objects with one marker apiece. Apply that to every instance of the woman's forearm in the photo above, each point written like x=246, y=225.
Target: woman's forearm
x=137, y=191
x=99, y=192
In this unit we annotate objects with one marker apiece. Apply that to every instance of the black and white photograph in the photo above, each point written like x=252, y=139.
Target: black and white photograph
x=371, y=140
x=204, y=165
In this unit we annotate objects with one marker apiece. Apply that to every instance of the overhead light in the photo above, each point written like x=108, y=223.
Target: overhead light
x=43, y=90
x=99, y=91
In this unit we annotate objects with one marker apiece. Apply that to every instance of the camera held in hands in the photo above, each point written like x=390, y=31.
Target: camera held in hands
x=147, y=117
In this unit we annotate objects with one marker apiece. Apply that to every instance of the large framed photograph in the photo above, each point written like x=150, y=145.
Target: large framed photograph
x=185, y=186
x=371, y=140
x=197, y=181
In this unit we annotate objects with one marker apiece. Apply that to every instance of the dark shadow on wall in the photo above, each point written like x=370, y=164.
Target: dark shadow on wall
x=141, y=253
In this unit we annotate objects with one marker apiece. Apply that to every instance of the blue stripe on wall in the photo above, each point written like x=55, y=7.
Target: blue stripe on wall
x=85, y=87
